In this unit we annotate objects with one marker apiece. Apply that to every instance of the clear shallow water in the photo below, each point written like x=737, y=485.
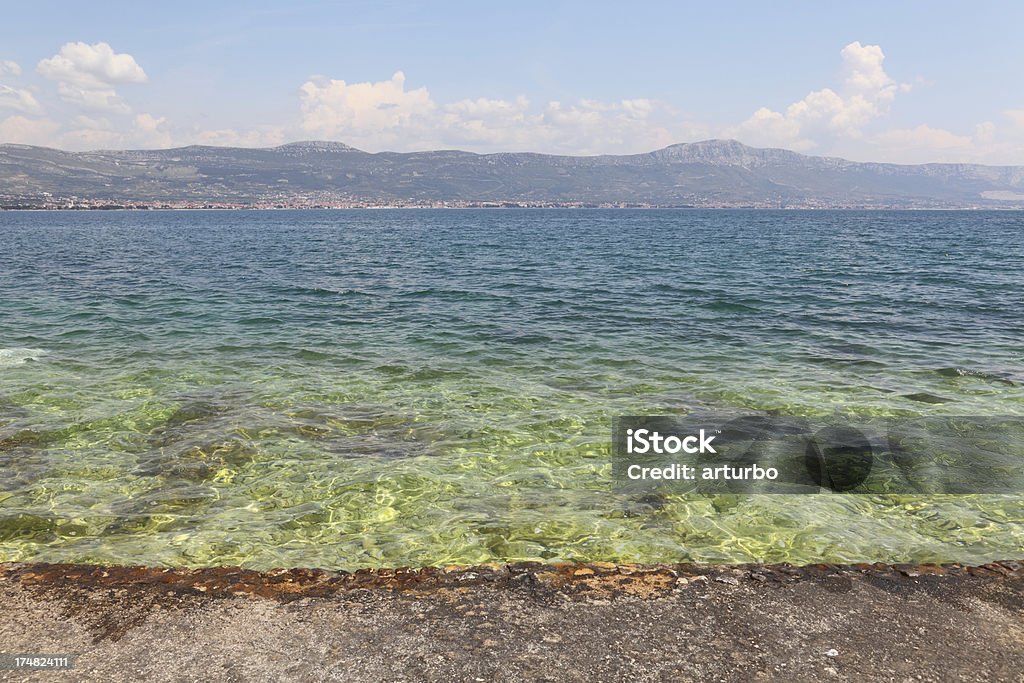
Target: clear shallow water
x=364, y=388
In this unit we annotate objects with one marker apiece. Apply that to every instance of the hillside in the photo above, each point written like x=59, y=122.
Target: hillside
x=709, y=173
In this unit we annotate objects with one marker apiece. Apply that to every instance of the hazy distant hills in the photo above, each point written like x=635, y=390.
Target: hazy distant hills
x=710, y=173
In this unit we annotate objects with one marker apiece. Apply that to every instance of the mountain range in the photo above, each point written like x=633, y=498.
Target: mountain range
x=712, y=173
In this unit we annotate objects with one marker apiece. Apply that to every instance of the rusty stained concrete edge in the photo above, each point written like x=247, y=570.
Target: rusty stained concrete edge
x=579, y=579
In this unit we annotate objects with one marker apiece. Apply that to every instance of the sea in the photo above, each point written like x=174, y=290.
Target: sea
x=384, y=388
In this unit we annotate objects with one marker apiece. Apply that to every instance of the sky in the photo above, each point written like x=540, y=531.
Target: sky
x=905, y=82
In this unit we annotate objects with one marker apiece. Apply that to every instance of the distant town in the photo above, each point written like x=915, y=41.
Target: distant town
x=316, y=202
x=284, y=203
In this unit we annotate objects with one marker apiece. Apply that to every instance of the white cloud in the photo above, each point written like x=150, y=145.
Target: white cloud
x=1016, y=116
x=864, y=95
x=86, y=75
x=105, y=99
x=151, y=131
x=985, y=132
x=624, y=126
x=140, y=131
x=90, y=138
x=863, y=71
x=921, y=144
x=25, y=131
x=386, y=115
x=769, y=127
x=844, y=119
x=986, y=143
x=260, y=136
x=18, y=99
x=91, y=66
x=335, y=107
x=489, y=124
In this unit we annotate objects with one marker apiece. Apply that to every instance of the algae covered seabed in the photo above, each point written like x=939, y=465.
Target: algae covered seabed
x=411, y=388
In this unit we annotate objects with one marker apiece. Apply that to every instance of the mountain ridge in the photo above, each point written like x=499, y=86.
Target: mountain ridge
x=328, y=173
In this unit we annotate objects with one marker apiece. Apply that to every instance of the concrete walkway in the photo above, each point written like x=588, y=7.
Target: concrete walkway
x=596, y=622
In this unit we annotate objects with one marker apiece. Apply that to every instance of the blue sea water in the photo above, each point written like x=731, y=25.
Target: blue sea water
x=367, y=388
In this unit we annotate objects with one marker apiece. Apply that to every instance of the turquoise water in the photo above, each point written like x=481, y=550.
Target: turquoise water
x=386, y=388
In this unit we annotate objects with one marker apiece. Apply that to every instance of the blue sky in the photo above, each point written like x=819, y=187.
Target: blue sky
x=905, y=81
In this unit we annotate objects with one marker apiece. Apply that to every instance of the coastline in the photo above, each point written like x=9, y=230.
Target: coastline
x=475, y=207
x=575, y=622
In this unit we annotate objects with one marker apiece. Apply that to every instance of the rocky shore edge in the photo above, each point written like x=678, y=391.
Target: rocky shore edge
x=573, y=579
x=521, y=621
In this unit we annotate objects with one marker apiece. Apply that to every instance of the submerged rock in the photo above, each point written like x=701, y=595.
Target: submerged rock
x=924, y=397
